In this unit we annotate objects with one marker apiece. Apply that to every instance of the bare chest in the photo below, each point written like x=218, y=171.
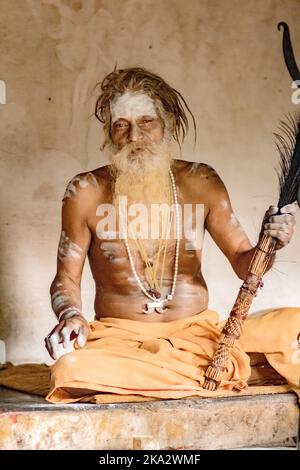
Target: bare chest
x=150, y=236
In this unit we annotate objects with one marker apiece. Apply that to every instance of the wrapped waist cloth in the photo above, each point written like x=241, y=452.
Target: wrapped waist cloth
x=165, y=360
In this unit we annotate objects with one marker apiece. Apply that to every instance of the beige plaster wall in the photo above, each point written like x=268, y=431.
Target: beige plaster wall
x=224, y=56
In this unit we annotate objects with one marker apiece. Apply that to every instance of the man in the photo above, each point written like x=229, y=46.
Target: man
x=153, y=335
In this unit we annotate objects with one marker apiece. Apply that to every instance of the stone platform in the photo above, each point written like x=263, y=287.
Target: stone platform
x=29, y=422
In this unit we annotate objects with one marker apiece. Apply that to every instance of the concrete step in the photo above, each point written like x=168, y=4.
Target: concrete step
x=29, y=422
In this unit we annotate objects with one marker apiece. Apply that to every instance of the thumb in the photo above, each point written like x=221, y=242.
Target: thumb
x=82, y=337
x=271, y=211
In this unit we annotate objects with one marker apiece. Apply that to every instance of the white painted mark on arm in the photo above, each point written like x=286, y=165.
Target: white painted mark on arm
x=58, y=300
x=83, y=182
x=93, y=178
x=233, y=220
x=224, y=204
x=194, y=167
x=67, y=249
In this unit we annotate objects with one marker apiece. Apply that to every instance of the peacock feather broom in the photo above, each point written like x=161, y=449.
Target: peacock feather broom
x=288, y=145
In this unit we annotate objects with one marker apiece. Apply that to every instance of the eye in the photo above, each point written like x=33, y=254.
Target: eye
x=146, y=122
x=120, y=125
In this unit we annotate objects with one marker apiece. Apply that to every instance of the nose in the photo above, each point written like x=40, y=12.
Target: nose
x=135, y=133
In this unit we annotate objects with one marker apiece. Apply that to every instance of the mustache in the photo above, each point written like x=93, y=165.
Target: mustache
x=131, y=158
x=136, y=147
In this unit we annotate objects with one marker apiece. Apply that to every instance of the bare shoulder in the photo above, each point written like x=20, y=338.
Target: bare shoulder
x=88, y=185
x=102, y=174
x=192, y=173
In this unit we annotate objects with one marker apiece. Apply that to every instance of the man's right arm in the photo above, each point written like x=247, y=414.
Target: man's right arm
x=65, y=289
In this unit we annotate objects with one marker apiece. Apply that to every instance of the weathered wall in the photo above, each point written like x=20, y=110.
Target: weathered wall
x=224, y=56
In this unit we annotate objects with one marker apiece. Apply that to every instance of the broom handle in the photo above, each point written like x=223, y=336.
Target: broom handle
x=232, y=329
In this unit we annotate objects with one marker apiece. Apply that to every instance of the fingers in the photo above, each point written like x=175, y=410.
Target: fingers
x=64, y=333
x=288, y=228
x=48, y=346
x=68, y=333
x=81, y=340
x=84, y=332
x=52, y=342
x=282, y=219
x=279, y=235
x=281, y=231
x=290, y=208
x=73, y=335
x=59, y=335
x=280, y=226
x=272, y=210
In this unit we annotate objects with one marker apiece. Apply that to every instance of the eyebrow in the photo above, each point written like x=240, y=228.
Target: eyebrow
x=120, y=119
x=143, y=116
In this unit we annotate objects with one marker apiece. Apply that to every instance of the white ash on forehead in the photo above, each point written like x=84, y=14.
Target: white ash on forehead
x=132, y=104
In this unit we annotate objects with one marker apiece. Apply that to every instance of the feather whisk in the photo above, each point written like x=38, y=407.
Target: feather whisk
x=288, y=145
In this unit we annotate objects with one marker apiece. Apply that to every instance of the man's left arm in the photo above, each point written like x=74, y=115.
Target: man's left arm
x=229, y=235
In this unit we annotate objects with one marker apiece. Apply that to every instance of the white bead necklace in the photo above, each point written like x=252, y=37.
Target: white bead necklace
x=157, y=304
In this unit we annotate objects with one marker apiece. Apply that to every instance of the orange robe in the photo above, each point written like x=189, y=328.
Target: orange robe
x=131, y=359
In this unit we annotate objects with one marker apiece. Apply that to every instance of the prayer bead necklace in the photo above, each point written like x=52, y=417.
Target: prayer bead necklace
x=157, y=304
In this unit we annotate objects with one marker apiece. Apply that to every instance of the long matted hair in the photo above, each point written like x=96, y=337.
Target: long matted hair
x=169, y=103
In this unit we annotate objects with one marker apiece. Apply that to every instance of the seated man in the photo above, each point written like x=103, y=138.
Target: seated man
x=153, y=334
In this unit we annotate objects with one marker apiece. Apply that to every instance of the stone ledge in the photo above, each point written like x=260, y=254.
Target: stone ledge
x=29, y=422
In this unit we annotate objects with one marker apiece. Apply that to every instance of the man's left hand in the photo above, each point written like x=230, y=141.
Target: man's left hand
x=280, y=227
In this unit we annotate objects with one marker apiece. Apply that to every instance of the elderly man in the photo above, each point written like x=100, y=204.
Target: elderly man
x=141, y=221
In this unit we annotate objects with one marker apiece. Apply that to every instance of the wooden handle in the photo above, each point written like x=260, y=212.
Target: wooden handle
x=232, y=329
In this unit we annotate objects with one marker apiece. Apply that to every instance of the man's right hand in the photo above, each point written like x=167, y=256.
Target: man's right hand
x=65, y=332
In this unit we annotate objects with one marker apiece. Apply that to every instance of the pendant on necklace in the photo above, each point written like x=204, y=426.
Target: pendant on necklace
x=154, y=293
x=155, y=306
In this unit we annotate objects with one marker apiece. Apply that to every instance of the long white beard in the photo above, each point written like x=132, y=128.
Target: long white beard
x=144, y=178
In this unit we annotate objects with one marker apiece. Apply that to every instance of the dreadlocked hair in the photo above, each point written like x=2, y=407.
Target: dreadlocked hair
x=170, y=104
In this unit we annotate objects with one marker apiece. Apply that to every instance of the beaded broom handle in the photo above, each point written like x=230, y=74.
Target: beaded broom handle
x=232, y=329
